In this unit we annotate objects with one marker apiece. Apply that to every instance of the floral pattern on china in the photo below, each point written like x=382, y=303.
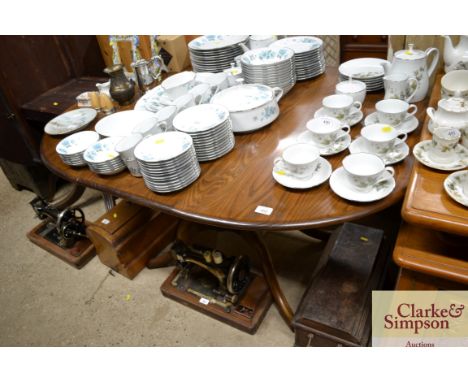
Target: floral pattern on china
x=77, y=142
x=216, y=41
x=70, y=121
x=102, y=151
x=456, y=185
x=245, y=97
x=298, y=44
x=266, y=56
x=200, y=118
x=163, y=146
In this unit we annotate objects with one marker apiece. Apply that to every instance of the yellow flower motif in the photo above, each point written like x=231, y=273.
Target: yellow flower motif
x=158, y=141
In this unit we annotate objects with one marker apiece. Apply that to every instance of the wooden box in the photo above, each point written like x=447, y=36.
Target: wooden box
x=174, y=52
x=128, y=235
x=336, y=308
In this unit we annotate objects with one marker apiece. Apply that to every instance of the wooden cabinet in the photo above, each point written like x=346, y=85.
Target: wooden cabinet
x=353, y=46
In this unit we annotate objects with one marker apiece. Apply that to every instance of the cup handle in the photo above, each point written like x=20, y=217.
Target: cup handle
x=163, y=126
x=403, y=137
x=413, y=84
x=346, y=129
x=277, y=160
x=415, y=110
x=357, y=105
x=278, y=93
x=197, y=99
x=390, y=170
x=431, y=113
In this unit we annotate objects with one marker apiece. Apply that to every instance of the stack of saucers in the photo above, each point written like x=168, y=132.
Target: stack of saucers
x=102, y=157
x=167, y=161
x=308, y=55
x=368, y=70
x=214, y=53
x=210, y=128
x=270, y=66
x=71, y=148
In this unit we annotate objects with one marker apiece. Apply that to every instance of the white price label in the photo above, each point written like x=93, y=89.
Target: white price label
x=264, y=210
x=105, y=221
x=204, y=301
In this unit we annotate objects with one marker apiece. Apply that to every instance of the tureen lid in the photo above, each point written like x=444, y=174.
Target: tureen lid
x=244, y=97
x=454, y=104
x=410, y=53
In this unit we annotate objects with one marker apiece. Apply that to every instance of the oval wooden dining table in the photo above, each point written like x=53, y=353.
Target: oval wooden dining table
x=230, y=189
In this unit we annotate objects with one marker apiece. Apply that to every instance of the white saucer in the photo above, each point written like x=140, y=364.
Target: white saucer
x=338, y=146
x=317, y=178
x=340, y=185
x=453, y=185
x=421, y=152
x=402, y=150
x=406, y=127
x=355, y=120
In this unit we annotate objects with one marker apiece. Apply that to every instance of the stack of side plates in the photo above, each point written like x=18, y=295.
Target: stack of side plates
x=210, y=128
x=368, y=70
x=71, y=148
x=308, y=55
x=102, y=157
x=214, y=53
x=167, y=161
x=270, y=66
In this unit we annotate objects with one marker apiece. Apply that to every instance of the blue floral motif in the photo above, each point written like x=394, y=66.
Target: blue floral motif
x=267, y=113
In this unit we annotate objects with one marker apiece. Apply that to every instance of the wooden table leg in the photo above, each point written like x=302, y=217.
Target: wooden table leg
x=256, y=240
x=109, y=201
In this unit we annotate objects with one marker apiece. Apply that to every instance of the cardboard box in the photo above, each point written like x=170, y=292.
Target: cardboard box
x=174, y=51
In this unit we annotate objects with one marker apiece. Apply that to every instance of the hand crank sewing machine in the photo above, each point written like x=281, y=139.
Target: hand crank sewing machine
x=62, y=233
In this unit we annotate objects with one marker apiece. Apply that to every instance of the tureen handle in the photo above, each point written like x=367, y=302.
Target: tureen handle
x=278, y=92
x=435, y=60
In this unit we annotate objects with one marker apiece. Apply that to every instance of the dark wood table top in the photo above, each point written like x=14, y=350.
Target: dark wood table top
x=426, y=202
x=230, y=188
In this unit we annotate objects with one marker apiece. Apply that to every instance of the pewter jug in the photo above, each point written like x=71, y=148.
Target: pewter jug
x=121, y=88
x=414, y=63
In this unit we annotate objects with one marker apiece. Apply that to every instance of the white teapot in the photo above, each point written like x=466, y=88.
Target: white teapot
x=455, y=57
x=414, y=63
x=451, y=112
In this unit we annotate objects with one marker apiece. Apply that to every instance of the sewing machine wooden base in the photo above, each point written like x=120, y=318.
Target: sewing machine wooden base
x=255, y=302
x=77, y=256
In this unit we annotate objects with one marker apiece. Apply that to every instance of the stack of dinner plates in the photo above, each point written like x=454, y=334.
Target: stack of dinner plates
x=71, y=148
x=215, y=53
x=308, y=55
x=368, y=70
x=167, y=161
x=269, y=66
x=102, y=158
x=210, y=128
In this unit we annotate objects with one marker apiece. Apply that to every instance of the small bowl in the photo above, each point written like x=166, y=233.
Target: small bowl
x=455, y=84
x=353, y=88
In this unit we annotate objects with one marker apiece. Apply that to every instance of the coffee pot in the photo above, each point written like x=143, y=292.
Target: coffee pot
x=455, y=57
x=147, y=72
x=413, y=62
x=121, y=88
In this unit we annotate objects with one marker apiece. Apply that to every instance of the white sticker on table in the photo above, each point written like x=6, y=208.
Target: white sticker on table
x=264, y=210
x=204, y=301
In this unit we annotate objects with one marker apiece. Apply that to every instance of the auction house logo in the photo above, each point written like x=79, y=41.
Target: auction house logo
x=419, y=318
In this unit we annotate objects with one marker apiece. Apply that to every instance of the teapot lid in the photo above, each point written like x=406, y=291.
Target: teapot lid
x=410, y=53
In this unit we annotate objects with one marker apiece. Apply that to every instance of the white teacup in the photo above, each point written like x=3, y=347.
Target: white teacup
x=327, y=130
x=299, y=160
x=381, y=138
x=444, y=141
x=394, y=111
x=353, y=88
x=126, y=147
x=339, y=106
x=364, y=171
x=166, y=115
x=400, y=86
x=201, y=93
x=261, y=41
x=149, y=127
x=178, y=84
